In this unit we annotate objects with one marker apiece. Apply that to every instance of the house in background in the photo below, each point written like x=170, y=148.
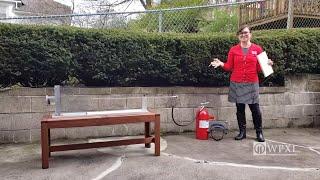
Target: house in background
x=8, y=7
x=42, y=7
x=14, y=8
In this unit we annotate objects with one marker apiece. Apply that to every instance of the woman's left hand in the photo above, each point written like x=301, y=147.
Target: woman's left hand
x=270, y=62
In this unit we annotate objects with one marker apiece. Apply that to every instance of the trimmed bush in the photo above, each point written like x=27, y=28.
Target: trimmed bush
x=33, y=56
x=43, y=56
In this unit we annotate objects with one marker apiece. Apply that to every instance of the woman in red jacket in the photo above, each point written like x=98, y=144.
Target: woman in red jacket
x=244, y=82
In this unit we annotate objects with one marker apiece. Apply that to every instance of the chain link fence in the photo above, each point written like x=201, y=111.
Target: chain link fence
x=225, y=17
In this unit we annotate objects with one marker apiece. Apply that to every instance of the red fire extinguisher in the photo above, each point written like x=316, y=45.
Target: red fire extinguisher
x=202, y=122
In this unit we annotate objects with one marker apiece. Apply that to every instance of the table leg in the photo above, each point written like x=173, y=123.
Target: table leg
x=45, y=146
x=157, y=135
x=49, y=141
x=147, y=133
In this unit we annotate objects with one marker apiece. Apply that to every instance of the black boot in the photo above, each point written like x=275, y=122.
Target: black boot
x=257, y=121
x=241, y=117
x=260, y=137
x=241, y=135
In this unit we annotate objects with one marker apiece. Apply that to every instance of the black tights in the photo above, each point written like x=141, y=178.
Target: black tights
x=256, y=115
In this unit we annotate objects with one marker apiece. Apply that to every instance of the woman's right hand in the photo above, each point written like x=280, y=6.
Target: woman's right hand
x=216, y=63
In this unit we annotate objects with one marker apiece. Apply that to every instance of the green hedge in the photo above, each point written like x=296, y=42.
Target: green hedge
x=39, y=56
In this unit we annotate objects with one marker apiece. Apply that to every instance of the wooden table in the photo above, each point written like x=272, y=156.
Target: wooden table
x=49, y=122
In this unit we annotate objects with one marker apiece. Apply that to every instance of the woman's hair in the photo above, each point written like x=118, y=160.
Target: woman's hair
x=242, y=28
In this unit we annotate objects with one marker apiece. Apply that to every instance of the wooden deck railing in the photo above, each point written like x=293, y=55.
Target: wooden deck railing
x=257, y=11
x=307, y=7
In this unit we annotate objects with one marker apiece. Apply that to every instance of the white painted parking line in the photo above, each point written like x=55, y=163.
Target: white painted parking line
x=216, y=163
x=114, y=166
x=123, y=152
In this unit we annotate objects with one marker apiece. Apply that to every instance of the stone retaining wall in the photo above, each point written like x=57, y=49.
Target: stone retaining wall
x=21, y=109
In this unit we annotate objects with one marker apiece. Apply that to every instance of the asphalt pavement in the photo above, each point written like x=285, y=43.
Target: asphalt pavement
x=286, y=154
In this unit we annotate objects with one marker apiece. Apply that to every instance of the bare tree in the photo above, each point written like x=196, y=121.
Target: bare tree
x=102, y=21
x=143, y=4
x=147, y=4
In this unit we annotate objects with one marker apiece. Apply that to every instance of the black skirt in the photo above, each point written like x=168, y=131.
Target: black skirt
x=245, y=93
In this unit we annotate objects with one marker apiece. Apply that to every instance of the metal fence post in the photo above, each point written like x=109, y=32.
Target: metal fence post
x=290, y=15
x=160, y=21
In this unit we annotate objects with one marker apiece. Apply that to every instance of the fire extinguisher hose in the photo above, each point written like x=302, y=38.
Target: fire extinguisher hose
x=175, y=122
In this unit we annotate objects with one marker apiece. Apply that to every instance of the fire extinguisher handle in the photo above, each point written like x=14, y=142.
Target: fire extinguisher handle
x=204, y=103
x=201, y=108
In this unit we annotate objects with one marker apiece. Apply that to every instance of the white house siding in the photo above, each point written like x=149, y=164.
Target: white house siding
x=7, y=10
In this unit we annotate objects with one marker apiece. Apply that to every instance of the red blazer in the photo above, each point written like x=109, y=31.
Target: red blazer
x=244, y=68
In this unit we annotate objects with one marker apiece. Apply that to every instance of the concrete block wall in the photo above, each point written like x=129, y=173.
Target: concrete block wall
x=21, y=109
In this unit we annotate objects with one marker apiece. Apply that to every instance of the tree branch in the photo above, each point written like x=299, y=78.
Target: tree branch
x=149, y=3
x=143, y=4
x=115, y=4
